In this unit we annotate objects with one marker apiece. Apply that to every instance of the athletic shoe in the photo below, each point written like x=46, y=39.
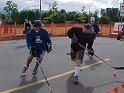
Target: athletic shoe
x=24, y=69
x=35, y=70
x=91, y=56
x=76, y=81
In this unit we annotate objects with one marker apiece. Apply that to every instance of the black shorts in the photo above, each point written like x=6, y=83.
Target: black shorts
x=77, y=55
x=38, y=55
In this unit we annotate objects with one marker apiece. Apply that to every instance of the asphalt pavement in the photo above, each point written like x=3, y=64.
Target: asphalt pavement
x=95, y=76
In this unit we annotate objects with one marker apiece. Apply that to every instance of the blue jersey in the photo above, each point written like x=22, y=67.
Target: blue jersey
x=96, y=28
x=38, y=39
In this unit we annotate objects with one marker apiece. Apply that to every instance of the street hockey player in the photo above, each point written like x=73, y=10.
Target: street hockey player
x=38, y=42
x=83, y=36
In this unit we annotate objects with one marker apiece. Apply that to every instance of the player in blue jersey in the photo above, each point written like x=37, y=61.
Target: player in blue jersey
x=38, y=42
x=95, y=30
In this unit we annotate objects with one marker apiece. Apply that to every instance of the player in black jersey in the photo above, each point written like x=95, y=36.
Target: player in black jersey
x=121, y=33
x=78, y=36
x=27, y=25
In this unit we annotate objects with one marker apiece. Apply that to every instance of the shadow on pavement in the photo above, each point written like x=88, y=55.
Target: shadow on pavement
x=20, y=47
x=80, y=88
x=32, y=89
x=91, y=61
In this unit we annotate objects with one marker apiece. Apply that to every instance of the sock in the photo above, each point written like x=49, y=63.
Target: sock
x=77, y=71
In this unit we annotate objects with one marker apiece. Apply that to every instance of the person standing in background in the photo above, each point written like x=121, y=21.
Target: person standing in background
x=5, y=25
x=27, y=25
x=10, y=25
x=95, y=30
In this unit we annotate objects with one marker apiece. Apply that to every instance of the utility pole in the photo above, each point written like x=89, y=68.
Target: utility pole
x=89, y=15
x=40, y=11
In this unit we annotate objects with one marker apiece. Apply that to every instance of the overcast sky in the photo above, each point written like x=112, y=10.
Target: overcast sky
x=68, y=5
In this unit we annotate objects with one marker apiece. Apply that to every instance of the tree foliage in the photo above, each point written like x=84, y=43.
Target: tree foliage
x=104, y=20
x=53, y=15
x=111, y=13
x=10, y=7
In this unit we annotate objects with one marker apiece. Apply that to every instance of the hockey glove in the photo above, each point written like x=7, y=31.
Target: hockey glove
x=49, y=47
x=33, y=51
x=93, y=33
x=118, y=37
x=122, y=29
x=24, y=31
x=91, y=52
x=74, y=39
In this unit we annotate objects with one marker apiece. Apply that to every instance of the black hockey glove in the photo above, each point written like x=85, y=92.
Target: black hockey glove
x=122, y=29
x=33, y=51
x=24, y=31
x=93, y=33
x=74, y=39
x=91, y=52
x=49, y=47
x=118, y=37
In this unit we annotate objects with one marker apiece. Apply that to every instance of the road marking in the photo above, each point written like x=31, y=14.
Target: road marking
x=51, y=78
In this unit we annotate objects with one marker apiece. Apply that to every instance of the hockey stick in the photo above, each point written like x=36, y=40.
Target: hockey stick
x=115, y=68
x=44, y=76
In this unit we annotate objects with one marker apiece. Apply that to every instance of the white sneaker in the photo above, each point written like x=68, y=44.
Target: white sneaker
x=76, y=81
x=24, y=70
x=91, y=56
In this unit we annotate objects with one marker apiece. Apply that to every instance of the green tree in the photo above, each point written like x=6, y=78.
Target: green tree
x=37, y=15
x=2, y=16
x=15, y=17
x=53, y=13
x=112, y=14
x=71, y=16
x=10, y=7
x=45, y=14
x=95, y=14
x=82, y=16
x=103, y=12
x=27, y=14
x=63, y=11
x=62, y=18
x=104, y=20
